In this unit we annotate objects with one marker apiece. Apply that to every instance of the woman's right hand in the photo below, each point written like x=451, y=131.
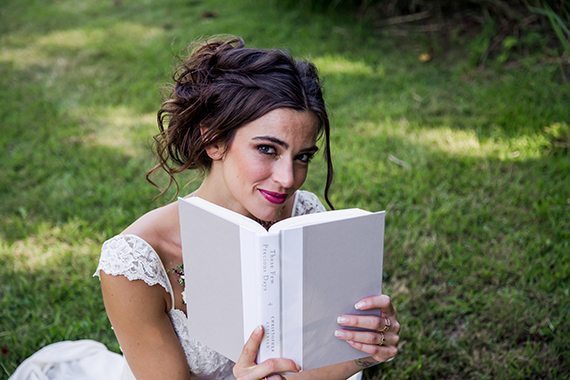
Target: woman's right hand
x=270, y=369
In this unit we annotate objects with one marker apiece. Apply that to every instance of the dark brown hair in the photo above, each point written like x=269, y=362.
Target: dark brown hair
x=222, y=86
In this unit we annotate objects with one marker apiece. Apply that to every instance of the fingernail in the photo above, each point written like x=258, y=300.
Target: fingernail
x=258, y=329
x=342, y=319
x=339, y=333
x=359, y=305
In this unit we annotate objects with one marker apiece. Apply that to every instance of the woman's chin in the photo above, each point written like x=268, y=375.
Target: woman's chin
x=268, y=211
x=269, y=215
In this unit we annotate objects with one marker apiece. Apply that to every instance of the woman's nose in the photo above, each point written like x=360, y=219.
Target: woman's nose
x=283, y=173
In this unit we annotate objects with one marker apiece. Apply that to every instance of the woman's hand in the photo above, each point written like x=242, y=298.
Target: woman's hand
x=382, y=341
x=270, y=369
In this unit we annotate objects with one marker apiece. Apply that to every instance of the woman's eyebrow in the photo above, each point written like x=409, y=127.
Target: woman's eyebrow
x=273, y=140
x=311, y=149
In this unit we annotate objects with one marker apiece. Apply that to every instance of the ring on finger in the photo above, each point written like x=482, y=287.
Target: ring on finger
x=387, y=325
x=381, y=338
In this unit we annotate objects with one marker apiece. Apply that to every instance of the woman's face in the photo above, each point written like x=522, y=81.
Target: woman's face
x=266, y=162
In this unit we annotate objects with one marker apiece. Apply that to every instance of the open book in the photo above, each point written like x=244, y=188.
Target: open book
x=294, y=279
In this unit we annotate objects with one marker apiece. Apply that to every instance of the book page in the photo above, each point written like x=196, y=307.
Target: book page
x=212, y=267
x=341, y=263
x=321, y=217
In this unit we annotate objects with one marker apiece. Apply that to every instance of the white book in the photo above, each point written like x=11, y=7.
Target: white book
x=294, y=279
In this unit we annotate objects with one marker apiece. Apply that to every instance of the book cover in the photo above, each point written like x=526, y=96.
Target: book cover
x=295, y=279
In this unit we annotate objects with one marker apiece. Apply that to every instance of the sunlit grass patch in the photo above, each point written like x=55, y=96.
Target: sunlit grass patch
x=49, y=247
x=46, y=49
x=24, y=57
x=339, y=65
x=460, y=142
x=70, y=39
x=120, y=128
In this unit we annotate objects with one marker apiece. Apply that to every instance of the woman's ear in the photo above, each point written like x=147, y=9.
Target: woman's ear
x=216, y=150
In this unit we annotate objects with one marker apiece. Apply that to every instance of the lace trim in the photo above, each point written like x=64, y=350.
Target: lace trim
x=134, y=258
x=307, y=203
x=204, y=362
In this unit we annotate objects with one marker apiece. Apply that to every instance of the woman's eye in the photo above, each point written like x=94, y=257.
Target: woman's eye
x=266, y=149
x=305, y=157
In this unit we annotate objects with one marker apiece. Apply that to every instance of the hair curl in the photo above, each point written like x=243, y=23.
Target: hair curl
x=221, y=86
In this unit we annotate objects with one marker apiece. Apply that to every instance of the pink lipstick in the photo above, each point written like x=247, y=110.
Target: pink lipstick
x=277, y=198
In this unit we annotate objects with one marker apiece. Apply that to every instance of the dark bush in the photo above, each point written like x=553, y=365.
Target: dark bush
x=501, y=27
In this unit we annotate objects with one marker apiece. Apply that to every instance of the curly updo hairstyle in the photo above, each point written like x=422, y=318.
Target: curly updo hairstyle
x=222, y=86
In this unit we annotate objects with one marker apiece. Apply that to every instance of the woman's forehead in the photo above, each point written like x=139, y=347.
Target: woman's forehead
x=283, y=123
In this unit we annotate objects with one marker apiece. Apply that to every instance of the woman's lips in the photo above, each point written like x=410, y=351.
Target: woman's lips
x=277, y=198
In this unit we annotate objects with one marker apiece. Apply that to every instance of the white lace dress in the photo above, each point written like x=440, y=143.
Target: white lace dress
x=134, y=258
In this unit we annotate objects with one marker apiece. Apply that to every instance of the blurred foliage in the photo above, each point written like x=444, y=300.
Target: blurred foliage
x=502, y=30
x=558, y=136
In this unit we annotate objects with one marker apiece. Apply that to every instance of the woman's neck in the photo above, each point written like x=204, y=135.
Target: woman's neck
x=214, y=190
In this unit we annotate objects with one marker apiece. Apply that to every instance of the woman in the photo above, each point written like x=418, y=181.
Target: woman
x=250, y=120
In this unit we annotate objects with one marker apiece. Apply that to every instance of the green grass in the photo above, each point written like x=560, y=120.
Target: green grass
x=477, y=192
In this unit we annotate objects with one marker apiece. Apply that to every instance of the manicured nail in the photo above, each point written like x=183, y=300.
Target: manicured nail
x=339, y=333
x=258, y=329
x=342, y=319
x=360, y=305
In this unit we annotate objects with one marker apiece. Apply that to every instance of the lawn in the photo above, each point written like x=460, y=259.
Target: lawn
x=464, y=159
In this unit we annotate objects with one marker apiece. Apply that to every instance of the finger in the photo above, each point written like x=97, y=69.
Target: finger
x=385, y=339
x=273, y=366
x=370, y=322
x=380, y=353
x=382, y=302
x=250, y=348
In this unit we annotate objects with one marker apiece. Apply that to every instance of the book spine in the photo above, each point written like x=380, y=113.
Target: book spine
x=270, y=296
x=292, y=298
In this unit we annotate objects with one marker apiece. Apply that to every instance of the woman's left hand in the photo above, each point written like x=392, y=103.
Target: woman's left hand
x=381, y=341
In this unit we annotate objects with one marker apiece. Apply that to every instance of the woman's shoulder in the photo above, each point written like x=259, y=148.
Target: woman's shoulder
x=307, y=203
x=158, y=227
x=136, y=253
x=132, y=257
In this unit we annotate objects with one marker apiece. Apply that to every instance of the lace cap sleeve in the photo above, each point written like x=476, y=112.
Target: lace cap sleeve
x=134, y=258
x=307, y=203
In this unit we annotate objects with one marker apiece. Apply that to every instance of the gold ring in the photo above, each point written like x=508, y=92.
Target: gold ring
x=387, y=325
x=382, y=338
